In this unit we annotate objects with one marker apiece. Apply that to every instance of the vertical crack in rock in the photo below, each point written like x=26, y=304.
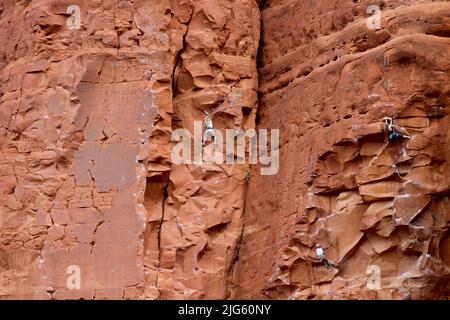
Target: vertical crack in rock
x=203, y=211
x=178, y=63
x=159, y=233
x=230, y=284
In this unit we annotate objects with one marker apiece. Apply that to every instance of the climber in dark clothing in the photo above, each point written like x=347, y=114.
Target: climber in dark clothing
x=394, y=132
x=394, y=135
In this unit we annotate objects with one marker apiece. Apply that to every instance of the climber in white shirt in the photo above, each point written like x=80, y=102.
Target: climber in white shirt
x=320, y=254
x=209, y=127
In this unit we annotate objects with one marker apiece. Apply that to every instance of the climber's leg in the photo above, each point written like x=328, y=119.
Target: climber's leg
x=326, y=262
x=208, y=135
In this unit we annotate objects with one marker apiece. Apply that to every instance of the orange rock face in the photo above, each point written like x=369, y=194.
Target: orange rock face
x=88, y=189
x=379, y=210
x=92, y=205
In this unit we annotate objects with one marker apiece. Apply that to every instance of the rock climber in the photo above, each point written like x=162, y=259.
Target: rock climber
x=320, y=254
x=209, y=127
x=394, y=132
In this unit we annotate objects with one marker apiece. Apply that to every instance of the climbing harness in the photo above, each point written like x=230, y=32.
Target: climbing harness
x=394, y=135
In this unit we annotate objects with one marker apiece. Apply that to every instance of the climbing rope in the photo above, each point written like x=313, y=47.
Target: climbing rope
x=389, y=127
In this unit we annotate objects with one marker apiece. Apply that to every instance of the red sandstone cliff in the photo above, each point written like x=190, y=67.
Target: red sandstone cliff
x=87, y=178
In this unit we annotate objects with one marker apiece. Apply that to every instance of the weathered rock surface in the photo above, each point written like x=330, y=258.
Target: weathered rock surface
x=85, y=126
x=327, y=81
x=87, y=179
